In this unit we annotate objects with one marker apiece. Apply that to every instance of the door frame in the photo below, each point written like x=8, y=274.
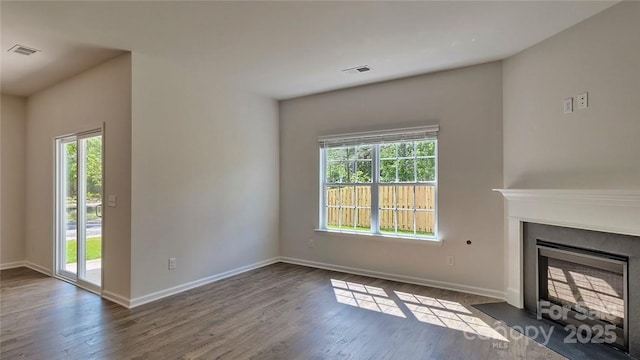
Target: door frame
x=59, y=232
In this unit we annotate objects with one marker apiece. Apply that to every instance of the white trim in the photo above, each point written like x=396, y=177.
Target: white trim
x=608, y=197
x=26, y=264
x=382, y=237
x=380, y=133
x=400, y=278
x=375, y=186
x=118, y=299
x=193, y=284
x=38, y=268
x=12, y=265
x=613, y=211
x=59, y=206
x=131, y=303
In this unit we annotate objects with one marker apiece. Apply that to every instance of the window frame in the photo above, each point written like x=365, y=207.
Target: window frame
x=375, y=185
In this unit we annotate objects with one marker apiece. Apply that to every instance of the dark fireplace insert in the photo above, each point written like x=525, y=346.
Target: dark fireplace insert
x=584, y=290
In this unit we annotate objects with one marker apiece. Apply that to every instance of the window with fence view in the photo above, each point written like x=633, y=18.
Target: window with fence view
x=383, y=184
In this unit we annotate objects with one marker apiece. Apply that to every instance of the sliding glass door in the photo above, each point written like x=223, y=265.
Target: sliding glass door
x=79, y=209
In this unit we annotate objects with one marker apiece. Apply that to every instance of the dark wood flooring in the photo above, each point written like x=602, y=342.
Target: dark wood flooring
x=280, y=311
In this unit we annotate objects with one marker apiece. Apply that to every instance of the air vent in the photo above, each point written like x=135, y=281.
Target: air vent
x=357, y=69
x=23, y=50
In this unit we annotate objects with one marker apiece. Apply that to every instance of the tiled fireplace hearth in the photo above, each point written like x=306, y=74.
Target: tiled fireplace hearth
x=593, y=224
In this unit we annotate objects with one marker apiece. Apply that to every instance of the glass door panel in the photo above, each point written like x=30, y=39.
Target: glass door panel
x=69, y=203
x=79, y=210
x=91, y=148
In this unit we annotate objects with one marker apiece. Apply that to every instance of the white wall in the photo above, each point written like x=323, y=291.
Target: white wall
x=101, y=94
x=467, y=104
x=205, y=176
x=12, y=194
x=598, y=147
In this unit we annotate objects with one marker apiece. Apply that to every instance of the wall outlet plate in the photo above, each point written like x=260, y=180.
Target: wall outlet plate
x=451, y=260
x=567, y=105
x=172, y=263
x=582, y=101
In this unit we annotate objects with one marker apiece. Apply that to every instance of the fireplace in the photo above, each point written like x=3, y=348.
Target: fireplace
x=584, y=289
x=601, y=221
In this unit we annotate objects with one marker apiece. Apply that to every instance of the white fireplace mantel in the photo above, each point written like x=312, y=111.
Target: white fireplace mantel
x=613, y=211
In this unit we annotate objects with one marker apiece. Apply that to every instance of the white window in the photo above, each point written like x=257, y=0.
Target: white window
x=382, y=183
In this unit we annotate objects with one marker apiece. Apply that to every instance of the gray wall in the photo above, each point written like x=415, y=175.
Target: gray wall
x=85, y=101
x=205, y=175
x=13, y=132
x=596, y=147
x=467, y=104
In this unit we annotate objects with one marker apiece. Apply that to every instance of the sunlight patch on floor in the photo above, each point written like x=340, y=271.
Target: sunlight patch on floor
x=446, y=313
x=358, y=287
x=369, y=302
x=430, y=310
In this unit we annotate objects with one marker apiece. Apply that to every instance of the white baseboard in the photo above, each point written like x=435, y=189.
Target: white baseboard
x=514, y=298
x=118, y=299
x=131, y=303
x=193, y=284
x=12, y=265
x=28, y=264
x=38, y=268
x=400, y=278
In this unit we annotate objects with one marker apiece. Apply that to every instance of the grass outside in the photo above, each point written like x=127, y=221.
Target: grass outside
x=406, y=232
x=383, y=231
x=350, y=228
x=94, y=249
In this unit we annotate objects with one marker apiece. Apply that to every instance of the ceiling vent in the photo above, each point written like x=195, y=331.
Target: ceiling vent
x=357, y=69
x=23, y=50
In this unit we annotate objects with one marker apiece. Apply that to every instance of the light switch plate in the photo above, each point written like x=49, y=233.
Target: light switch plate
x=567, y=105
x=111, y=201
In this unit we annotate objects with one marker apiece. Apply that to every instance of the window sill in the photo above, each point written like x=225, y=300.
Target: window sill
x=383, y=237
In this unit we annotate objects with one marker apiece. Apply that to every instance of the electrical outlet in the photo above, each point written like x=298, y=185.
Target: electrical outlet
x=311, y=243
x=582, y=101
x=172, y=263
x=567, y=105
x=451, y=260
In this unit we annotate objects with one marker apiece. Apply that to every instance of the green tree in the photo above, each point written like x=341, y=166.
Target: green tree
x=410, y=161
x=93, y=167
x=342, y=163
x=71, y=156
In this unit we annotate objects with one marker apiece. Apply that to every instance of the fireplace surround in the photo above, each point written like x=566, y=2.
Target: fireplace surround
x=600, y=215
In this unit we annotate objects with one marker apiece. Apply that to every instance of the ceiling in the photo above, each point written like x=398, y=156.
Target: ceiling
x=277, y=49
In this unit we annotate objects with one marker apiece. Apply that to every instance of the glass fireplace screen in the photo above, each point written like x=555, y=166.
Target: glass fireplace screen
x=590, y=288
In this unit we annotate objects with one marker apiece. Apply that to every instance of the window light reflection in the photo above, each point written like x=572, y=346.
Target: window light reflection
x=430, y=310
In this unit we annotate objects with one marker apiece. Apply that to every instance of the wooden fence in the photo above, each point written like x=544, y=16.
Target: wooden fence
x=360, y=196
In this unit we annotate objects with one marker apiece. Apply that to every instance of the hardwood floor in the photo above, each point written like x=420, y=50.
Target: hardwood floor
x=280, y=311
